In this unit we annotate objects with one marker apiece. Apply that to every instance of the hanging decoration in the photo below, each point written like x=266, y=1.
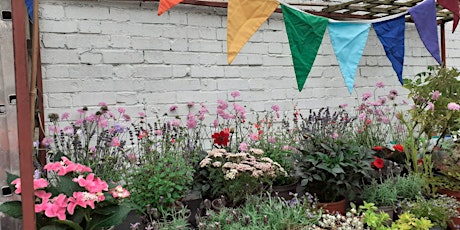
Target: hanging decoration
x=348, y=41
x=424, y=16
x=165, y=5
x=244, y=17
x=305, y=33
x=451, y=5
x=391, y=35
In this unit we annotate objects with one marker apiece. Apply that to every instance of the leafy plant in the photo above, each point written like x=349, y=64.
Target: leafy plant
x=438, y=209
x=372, y=219
x=381, y=194
x=236, y=175
x=329, y=165
x=71, y=197
x=408, y=221
x=160, y=180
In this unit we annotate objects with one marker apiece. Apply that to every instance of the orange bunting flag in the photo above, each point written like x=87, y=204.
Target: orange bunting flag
x=244, y=17
x=165, y=5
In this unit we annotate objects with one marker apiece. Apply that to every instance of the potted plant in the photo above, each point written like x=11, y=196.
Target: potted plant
x=236, y=175
x=408, y=221
x=71, y=197
x=438, y=209
x=384, y=195
x=329, y=165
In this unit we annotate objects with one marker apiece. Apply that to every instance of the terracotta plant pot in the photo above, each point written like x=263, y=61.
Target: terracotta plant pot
x=284, y=191
x=333, y=207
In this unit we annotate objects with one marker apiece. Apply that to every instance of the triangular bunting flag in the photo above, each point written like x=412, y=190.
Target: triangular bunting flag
x=30, y=9
x=305, y=33
x=451, y=5
x=424, y=16
x=348, y=41
x=244, y=17
x=391, y=35
x=165, y=5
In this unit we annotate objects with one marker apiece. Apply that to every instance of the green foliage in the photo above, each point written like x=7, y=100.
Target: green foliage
x=373, y=220
x=408, y=221
x=381, y=194
x=440, y=121
x=438, y=209
x=410, y=186
x=159, y=182
x=331, y=168
x=263, y=213
x=12, y=208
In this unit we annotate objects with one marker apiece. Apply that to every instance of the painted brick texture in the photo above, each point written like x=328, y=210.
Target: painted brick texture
x=124, y=54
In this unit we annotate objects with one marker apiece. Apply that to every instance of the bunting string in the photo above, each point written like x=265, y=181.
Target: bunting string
x=305, y=33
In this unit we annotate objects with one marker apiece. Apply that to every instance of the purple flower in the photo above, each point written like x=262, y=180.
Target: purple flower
x=435, y=95
x=366, y=95
x=173, y=108
x=394, y=92
x=385, y=120
x=126, y=117
x=453, y=106
x=235, y=94
x=275, y=108
x=379, y=84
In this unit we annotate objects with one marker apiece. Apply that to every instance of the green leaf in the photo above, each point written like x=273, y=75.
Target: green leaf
x=12, y=208
x=116, y=215
x=53, y=227
x=10, y=178
x=69, y=223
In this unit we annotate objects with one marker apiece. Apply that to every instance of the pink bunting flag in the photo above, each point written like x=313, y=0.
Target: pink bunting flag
x=451, y=5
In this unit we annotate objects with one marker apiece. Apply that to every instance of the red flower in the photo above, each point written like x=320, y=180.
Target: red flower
x=378, y=163
x=399, y=148
x=221, y=138
x=377, y=148
x=368, y=121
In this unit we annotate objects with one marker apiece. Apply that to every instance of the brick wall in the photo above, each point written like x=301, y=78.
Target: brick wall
x=124, y=54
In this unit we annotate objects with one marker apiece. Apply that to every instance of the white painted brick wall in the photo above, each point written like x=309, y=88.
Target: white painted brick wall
x=122, y=53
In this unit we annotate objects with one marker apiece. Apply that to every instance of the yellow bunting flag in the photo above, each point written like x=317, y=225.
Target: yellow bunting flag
x=166, y=5
x=244, y=17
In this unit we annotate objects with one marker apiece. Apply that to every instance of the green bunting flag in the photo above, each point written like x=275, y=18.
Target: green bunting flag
x=305, y=33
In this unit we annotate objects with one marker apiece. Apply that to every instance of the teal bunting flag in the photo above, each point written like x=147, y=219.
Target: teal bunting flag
x=348, y=41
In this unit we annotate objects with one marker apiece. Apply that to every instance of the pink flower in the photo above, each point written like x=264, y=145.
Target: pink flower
x=235, y=94
x=431, y=106
x=453, y=106
x=385, y=120
x=66, y=166
x=271, y=140
x=158, y=132
x=65, y=116
x=47, y=141
x=190, y=104
x=379, y=84
x=102, y=123
x=241, y=112
x=92, y=183
x=222, y=104
x=191, y=121
x=57, y=207
x=121, y=110
x=362, y=116
x=335, y=136
x=366, y=96
x=40, y=183
x=254, y=136
x=126, y=117
x=173, y=108
x=119, y=192
x=435, y=95
x=275, y=108
x=115, y=142
x=243, y=147
x=42, y=194
x=215, y=123
x=141, y=114
x=342, y=106
x=102, y=104
x=175, y=123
